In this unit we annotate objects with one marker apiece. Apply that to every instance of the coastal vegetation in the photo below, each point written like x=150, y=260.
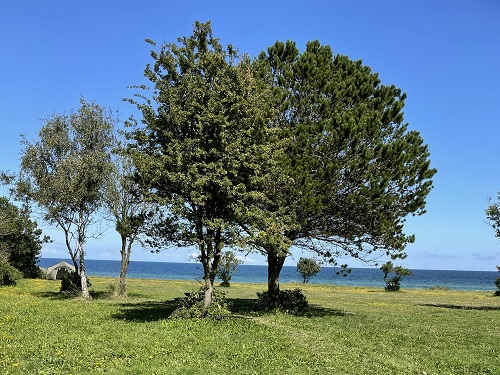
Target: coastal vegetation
x=64, y=174
x=291, y=148
x=305, y=149
x=308, y=267
x=393, y=276
x=21, y=242
x=346, y=330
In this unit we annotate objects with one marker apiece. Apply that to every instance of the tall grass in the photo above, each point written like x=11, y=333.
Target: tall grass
x=347, y=331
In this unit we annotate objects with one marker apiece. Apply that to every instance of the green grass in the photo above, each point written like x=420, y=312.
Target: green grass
x=348, y=331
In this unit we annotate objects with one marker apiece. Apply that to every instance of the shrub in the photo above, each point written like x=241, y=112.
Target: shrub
x=8, y=273
x=393, y=283
x=292, y=301
x=71, y=283
x=192, y=306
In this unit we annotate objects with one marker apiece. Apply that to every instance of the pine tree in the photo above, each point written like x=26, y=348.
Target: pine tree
x=348, y=170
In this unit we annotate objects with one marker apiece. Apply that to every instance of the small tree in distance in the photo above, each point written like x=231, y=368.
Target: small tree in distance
x=308, y=267
x=227, y=266
x=393, y=276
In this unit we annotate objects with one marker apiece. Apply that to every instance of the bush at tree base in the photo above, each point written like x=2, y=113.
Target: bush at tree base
x=192, y=306
x=71, y=283
x=292, y=301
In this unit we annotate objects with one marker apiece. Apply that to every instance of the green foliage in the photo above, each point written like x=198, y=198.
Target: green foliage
x=291, y=301
x=199, y=150
x=65, y=171
x=8, y=273
x=227, y=266
x=393, y=276
x=308, y=267
x=493, y=216
x=20, y=238
x=192, y=306
x=71, y=284
x=348, y=170
x=126, y=207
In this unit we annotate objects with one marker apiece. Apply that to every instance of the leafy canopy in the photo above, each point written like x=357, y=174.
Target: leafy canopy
x=64, y=173
x=20, y=238
x=308, y=267
x=199, y=149
x=493, y=216
x=351, y=170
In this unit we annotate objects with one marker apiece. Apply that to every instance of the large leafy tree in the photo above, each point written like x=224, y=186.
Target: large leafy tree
x=65, y=172
x=20, y=238
x=199, y=149
x=350, y=171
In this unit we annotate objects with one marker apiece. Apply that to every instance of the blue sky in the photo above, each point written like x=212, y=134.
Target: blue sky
x=444, y=54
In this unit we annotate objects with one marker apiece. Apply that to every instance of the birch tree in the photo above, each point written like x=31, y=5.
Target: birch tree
x=64, y=173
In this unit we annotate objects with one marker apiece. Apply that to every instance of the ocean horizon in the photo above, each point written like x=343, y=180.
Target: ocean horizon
x=371, y=277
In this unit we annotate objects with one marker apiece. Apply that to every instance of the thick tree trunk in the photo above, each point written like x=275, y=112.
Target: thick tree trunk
x=125, y=252
x=275, y=263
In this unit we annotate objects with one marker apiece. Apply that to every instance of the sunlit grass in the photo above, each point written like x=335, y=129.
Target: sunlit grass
x=349, y=330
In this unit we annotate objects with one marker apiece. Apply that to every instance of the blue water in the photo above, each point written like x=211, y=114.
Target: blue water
x=421, y=279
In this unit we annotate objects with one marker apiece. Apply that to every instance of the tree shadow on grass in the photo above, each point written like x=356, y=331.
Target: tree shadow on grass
x=318, y=311
x=246, y=307
x=460, y=307
x=51, y=295
x=64, y=296
x=148, y=311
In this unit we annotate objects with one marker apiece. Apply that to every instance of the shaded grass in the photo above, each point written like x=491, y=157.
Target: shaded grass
x=347, y=330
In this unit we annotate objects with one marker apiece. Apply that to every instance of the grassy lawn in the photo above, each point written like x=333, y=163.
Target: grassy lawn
x=348, y=331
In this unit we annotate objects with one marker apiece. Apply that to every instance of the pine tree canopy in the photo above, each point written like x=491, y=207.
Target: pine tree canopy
x=354, y=171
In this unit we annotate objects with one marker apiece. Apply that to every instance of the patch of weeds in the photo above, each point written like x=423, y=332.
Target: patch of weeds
x=439, y=287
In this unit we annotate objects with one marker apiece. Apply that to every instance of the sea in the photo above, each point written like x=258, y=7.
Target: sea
x=371, y=277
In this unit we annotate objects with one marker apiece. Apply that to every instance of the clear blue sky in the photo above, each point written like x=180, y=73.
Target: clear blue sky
x=444, y=54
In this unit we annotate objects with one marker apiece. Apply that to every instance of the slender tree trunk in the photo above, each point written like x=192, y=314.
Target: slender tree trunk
x=81, y=253
x=85, y=290
x=125, y=253
x=72, y=253
x=275, y=263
